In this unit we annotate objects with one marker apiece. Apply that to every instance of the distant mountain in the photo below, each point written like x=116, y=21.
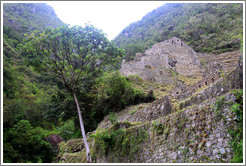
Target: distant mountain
x=206, y=27
x=26, y=17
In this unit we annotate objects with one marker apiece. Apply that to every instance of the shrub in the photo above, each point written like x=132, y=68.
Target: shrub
x=23, y=144
x=114, y=92
x=67, y=129
x=237, y=134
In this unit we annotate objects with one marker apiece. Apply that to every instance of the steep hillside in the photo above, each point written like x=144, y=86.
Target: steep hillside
x=26, y=93
x=192, y=121
x=206, y=27
x=197, y=116
x=26, y=17
x=174, y=104
x=202, y=129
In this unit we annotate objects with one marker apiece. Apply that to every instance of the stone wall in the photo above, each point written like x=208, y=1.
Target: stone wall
x=143, y=113
x=233, y=80
x=210, y=75
x=192, y=135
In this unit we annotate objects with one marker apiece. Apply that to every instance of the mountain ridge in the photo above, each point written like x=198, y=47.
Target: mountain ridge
x=26, y=17
x=209, y=28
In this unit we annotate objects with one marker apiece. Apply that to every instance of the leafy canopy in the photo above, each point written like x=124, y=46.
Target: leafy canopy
x=71, y=53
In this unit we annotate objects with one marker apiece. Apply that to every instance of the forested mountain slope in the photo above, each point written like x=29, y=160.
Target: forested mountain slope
x=37, y=105
x=205, y=27
x=26, y=93
x=26, y=17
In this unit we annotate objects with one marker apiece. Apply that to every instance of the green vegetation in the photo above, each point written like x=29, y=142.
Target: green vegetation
x=158, y=127
x=26, y=17
x=25, y=144
x=113, y=118
x=237, y=134
x=31, y=94
x=84, y=63
x=71, y=55
x=124, y=141
x=114, y=92
x=206, y=27
x=218, y=107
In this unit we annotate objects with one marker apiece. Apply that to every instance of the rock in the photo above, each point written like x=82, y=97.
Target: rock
x=208, y=144
x=215, y=152
x=218, y=135
x=220, y=139
x=222, y=151
x=54, y=140
x=199, y=152
x=174, y=155
x=219, y=145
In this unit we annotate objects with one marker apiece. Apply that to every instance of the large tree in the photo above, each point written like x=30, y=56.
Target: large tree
x=71, y=54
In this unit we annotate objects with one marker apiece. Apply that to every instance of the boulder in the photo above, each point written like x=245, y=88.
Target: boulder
x=54, y=140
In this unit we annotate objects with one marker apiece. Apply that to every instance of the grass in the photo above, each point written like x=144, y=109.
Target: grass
x=189, y=80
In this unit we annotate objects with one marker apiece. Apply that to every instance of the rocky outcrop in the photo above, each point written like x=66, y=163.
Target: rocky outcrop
x=164, y=60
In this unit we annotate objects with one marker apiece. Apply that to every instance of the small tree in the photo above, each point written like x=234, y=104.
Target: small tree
x=72, y=55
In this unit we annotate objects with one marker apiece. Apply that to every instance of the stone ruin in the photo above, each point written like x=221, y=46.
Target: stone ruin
x=162, y=61
x=210, y=75
x=175, y=40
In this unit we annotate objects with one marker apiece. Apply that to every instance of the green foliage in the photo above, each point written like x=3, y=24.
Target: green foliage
x=113, y=93
x=27, y=93
x=121, y=140
x=70, y=54
x=237, y=134
x=206, y=27
x=113, y=118
x=60, y=105
x=26, y=17
x=74, y=56
x=131, y=50
x=67, y=129
x=23, y=143
x=158, y=127
x=218, y=106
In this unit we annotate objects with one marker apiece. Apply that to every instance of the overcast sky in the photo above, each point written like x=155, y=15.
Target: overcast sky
x=109, y=16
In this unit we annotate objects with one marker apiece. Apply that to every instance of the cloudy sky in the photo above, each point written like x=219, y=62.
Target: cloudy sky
x=110, y=16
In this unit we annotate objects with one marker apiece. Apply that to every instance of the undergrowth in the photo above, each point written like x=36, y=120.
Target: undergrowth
x=237, y=134
x=119, y=140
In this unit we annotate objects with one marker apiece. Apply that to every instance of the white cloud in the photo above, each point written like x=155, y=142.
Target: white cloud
x=110, y=16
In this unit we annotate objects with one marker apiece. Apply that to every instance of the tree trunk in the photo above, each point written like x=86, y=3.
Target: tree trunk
x=88, y=153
